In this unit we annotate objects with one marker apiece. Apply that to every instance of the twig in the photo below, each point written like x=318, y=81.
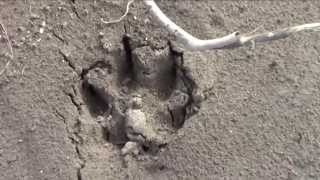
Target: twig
x=3, y=30
x=232, y=40
x=122, y=17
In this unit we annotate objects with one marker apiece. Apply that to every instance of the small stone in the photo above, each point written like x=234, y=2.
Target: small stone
x=178, y=99
x=130, y=148
x=136, y=119
x=195, y=109
x=100, y=119
x=107, y=145
x=147, y=21
x=104, y=122
x=137, y=128
x=136, y=102
x=109, y=118
x=49, y=36
x=78, y=165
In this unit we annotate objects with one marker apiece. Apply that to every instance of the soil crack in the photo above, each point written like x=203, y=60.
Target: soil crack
x=68, y=60
x=74, y=102
x=54, y=33
x=82, y=163
x=75, y=136
x=58, y=114
x=74, y=9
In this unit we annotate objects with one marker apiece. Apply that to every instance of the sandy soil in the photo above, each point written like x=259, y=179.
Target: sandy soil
x=83, y=100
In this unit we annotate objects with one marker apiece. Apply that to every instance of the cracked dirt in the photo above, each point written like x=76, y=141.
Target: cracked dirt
x=82, y=100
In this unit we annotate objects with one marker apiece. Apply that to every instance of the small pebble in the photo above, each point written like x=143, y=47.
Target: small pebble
x=198, y=97
x=101, y=34
x=46, y=8
x=85, y=12
x=43, y=24
x=137, y=127
x=33, y=46
x=21, y=29
x=64, y=24
x=41, y=30
x=34, y=16
x=107, y=46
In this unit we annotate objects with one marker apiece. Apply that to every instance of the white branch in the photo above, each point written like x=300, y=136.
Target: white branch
x=232, y=40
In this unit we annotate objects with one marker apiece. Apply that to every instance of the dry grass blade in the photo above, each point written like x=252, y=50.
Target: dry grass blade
x=122, y=17
x=5, y=67
x=3, y=31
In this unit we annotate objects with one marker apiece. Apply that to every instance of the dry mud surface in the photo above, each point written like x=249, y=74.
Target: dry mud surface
x=86, y=101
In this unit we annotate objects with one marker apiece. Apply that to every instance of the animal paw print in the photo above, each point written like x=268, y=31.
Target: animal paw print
x=144, y=96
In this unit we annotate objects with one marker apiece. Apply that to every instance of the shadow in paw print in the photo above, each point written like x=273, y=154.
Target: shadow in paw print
x=162, y=71
x=93, y=89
